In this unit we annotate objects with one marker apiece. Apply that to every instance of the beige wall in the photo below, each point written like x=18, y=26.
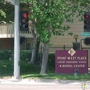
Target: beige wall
x=28, y=45
x=6, y=43
x=59, y=41
x=76, y=29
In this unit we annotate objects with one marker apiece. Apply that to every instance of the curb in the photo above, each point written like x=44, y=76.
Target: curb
x=41, y=81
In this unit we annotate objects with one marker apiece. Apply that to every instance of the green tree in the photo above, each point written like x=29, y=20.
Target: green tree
x=50, y=16
x=53, y=17
x=5, y=11
x=2, y=13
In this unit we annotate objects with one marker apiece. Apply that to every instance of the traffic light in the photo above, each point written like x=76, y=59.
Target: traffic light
x=76, y=46
x=87, y=41
x=24, y=21
x=87, y=22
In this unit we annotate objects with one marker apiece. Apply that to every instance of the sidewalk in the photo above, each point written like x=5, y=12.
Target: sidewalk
x=41, y=81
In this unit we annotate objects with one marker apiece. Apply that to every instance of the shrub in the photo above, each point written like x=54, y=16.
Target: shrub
x=8, y=55
x=51, y=61
x=25, y=55
x=5, y=54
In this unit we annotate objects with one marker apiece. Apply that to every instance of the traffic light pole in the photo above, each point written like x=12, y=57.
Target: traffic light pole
x=16, y=42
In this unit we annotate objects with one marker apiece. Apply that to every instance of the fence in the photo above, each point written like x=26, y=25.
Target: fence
x=26, y=54
x=53, y=49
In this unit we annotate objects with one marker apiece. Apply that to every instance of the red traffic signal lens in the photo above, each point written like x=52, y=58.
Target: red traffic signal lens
x=86, y=16
x=25, y=15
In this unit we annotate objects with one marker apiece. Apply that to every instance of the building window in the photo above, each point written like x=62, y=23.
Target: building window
x=28, y=46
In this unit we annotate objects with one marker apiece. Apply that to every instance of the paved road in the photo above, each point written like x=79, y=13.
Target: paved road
x=26, y=84
x=41, y=87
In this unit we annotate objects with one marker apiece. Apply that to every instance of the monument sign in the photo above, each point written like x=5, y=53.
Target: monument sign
x=69, y=61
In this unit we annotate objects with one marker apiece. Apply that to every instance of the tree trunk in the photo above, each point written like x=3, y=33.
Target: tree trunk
x=33, y=53
x=35, y=35
x=45, y=55
x=45, y=59
x=37, y=51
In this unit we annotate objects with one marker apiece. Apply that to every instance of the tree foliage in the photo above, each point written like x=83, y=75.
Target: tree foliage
x=58, y=14
x=54, y=17
x=2, y=13
x=7, y=10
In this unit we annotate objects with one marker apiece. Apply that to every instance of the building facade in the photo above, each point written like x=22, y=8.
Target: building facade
x=57, y=42
x=7, y=37
x=60, y=42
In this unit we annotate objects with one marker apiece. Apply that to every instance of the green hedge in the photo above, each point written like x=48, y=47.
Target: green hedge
x=25, y=55
x=51, y=61
x=8, y=55
x=5, y=54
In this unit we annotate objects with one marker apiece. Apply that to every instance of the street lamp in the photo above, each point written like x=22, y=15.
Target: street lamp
x=16, y=39
x=76, y=45
x=75, y=37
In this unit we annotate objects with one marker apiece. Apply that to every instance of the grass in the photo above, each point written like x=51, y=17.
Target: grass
x=59, y=76
x=32, y=71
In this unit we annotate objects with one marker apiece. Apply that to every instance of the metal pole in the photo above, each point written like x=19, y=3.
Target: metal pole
x=81, y=44
x=16, y=42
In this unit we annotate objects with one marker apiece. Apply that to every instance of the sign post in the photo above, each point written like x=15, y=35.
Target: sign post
x=16, y=39
x=16, y=42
